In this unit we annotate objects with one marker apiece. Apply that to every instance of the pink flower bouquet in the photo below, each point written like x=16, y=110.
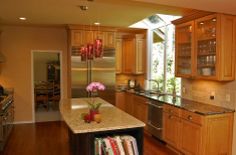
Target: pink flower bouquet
x=94, y=87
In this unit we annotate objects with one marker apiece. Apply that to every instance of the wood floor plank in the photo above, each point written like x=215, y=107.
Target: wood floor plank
x=50, y=138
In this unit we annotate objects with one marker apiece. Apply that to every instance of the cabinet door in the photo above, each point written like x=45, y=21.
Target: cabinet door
x=129, y=103
x=218, y=138
x=99, y=35
x=110, y=39
x=190, y=138
x=118, y=56
x=215, y=43
x=206, y=46
x=139, y=55
x=76, y=37
x=227, y=50
x=171, y=125
x=184, y=50
x=88, y=37
x=128, y=55
x=120, y=100
x=140, y=108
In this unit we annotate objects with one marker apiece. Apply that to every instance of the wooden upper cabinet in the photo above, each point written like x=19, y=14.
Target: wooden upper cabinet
x=212, y=46
x=128, y=52
x=82, y=35
x=139, y=56
x=184, y=49
x=109, y=39
x=88, y=37
x=134, y=54
x=99, y=35
x=76, y=37
x=119, y=46
x=215, y=35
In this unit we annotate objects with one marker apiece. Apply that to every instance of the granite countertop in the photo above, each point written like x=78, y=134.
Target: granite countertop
x=197, y=107
x=112, y=117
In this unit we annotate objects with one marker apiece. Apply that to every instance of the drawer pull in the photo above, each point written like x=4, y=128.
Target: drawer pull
x=190, y=117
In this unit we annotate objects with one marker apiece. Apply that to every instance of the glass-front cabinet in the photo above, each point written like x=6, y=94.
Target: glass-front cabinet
x=184, y=46
x=205, y=48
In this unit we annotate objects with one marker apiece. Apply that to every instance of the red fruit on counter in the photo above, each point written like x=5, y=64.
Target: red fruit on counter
x=87, y=118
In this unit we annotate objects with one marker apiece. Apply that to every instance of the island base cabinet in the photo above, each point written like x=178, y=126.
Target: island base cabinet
x=83, y=143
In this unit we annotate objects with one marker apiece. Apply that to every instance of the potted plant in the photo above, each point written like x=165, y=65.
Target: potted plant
x=94, y=106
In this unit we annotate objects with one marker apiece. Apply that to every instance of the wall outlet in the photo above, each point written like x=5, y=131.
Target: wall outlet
x=212, y=95
x=227, y=97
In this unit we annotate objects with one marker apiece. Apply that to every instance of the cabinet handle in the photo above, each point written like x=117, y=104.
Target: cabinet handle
x=190, y=117
x=150, y=124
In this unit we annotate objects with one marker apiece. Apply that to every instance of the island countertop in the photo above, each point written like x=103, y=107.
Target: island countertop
x=112, y=117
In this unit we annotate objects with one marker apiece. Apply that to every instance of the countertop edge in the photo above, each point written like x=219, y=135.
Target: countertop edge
x=225, y=110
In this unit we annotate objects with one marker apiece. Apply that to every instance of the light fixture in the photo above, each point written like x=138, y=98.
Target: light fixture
x=201, y=23
x=83, y=7
x=97, y=23
x=214, y=20
x=22, y=18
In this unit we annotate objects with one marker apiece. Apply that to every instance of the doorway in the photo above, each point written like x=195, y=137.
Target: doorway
x=46, y=83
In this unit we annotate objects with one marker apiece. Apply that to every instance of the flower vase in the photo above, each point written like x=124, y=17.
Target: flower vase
x=92, y=113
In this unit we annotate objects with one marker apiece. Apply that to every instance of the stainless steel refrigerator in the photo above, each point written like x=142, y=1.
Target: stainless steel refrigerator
x=99, y=70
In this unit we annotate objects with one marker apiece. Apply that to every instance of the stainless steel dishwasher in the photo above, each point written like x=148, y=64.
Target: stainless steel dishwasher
x=154, y=124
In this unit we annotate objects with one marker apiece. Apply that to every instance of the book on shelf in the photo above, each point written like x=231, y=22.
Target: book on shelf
x=117, y=145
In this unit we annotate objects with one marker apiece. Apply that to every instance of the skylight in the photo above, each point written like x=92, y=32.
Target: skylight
x=155, y=21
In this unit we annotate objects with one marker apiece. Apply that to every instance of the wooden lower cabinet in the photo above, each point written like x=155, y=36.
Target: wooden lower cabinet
x=129, y=103
x=133, y=104
x=140, y=109
x=194, y=134
x=120, y=100
x=190, y=138
x=171, y=125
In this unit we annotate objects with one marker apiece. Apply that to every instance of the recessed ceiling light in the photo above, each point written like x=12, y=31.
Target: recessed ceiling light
x=22, y=18
x=97, y=23
x=83, y=7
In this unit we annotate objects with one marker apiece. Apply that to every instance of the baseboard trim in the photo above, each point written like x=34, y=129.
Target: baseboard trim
x=23, y=122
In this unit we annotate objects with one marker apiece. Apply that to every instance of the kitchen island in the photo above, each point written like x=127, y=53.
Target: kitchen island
x=114, y=122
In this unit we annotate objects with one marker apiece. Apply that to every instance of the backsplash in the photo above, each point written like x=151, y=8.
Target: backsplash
x=200, y=90
x=122, y=79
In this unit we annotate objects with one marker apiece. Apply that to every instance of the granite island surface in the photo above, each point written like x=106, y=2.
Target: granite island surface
x=114, y=122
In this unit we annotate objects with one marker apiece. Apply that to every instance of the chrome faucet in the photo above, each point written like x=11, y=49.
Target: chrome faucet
x=157, y=84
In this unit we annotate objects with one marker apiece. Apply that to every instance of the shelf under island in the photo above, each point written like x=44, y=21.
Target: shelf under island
x=114, y=122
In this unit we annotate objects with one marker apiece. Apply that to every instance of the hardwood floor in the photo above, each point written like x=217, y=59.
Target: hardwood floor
x=50, y=138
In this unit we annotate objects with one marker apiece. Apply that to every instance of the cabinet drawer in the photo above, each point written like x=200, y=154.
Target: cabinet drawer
x=140, y=99
x=171, y=110
x=192, y=117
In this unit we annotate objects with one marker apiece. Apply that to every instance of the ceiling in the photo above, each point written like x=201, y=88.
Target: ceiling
x=119, y=13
